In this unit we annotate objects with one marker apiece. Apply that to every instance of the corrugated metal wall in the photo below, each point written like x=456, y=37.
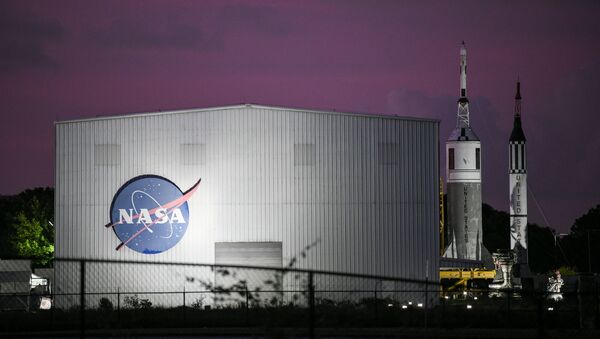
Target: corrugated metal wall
x=365, y=210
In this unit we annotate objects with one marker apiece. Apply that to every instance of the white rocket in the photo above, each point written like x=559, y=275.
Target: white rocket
x=463, y=173
x=518, y=190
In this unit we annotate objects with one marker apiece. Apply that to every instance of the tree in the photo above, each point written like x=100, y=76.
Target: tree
x=28, y=225
x=496, y=235
x=584, y=237
x=29, y=239
x=541, y=248
x=496, y=230
x=590, y=221
x=6, y=220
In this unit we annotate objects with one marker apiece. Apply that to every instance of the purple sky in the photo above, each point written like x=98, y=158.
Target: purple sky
x=74, y=59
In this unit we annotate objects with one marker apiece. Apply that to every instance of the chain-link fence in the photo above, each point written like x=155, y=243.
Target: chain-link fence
x=95, y=297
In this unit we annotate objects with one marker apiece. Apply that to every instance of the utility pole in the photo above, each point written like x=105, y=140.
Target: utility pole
x=589, y=252
x=442, y=230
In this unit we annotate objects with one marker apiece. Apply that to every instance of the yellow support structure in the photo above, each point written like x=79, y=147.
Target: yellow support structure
x=442, y=217
x=468, y=273
x=463, y=275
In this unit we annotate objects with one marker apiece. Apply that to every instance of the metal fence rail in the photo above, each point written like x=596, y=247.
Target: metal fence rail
x=98, y=297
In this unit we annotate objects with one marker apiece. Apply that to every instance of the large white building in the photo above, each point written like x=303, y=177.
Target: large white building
x=361, y=191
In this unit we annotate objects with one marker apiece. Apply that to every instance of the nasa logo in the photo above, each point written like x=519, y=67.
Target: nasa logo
x=150, y=214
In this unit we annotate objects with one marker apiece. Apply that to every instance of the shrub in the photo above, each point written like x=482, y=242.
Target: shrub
x=105, y=305
x=198, y=303
x=566, y=271
x=136, y=303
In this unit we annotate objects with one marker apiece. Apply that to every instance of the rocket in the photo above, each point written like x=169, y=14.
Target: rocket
x=463, y=173
x=518, y=190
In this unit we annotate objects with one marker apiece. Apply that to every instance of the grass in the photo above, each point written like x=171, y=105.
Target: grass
x=367, y=313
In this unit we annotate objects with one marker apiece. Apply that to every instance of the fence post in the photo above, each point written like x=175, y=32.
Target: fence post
x=597, y=308
x=443, y=320
x=119, y=306
x=579, y=302
x=508, y=297
x=311, y=306
x=82, y=299
x=52, y=307
x=184, y=320
x=247, y=305
x=426, y=303
x=376, y=306
x=540, y=315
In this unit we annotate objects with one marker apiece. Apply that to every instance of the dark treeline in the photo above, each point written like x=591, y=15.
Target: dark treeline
x=547, y=249
x=27, y=231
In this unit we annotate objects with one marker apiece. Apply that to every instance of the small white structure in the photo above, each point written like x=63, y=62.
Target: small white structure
x=554, y=286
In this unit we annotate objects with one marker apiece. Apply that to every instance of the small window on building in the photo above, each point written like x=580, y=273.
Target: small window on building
x=192, y=154
x=450, y=158
x=305, y=155
x=477, y=158
x=107, y=155
x=388, y=153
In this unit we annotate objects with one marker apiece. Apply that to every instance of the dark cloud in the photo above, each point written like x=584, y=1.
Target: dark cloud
x=563, y=144
x=564, y=133
x=192, y=30
x=260, y=18
x=24, y=37
x=417, y=103
x=494, y=137
x=160, y=31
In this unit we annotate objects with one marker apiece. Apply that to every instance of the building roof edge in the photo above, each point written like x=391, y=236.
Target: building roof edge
x=248, y=105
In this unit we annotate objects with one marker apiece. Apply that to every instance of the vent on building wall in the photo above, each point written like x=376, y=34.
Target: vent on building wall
x=107, y=154
x=192, y=154
x=305, y=155
x=249, y=253
x=268, y=254
x=388, y=153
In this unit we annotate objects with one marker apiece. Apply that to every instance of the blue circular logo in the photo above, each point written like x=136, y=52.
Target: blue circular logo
x=150, y=214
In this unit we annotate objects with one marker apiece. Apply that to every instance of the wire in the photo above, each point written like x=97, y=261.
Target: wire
x=530, y=190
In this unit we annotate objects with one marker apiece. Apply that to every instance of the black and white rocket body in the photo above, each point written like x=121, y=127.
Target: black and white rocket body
x=518, y=190
x=463, y=175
